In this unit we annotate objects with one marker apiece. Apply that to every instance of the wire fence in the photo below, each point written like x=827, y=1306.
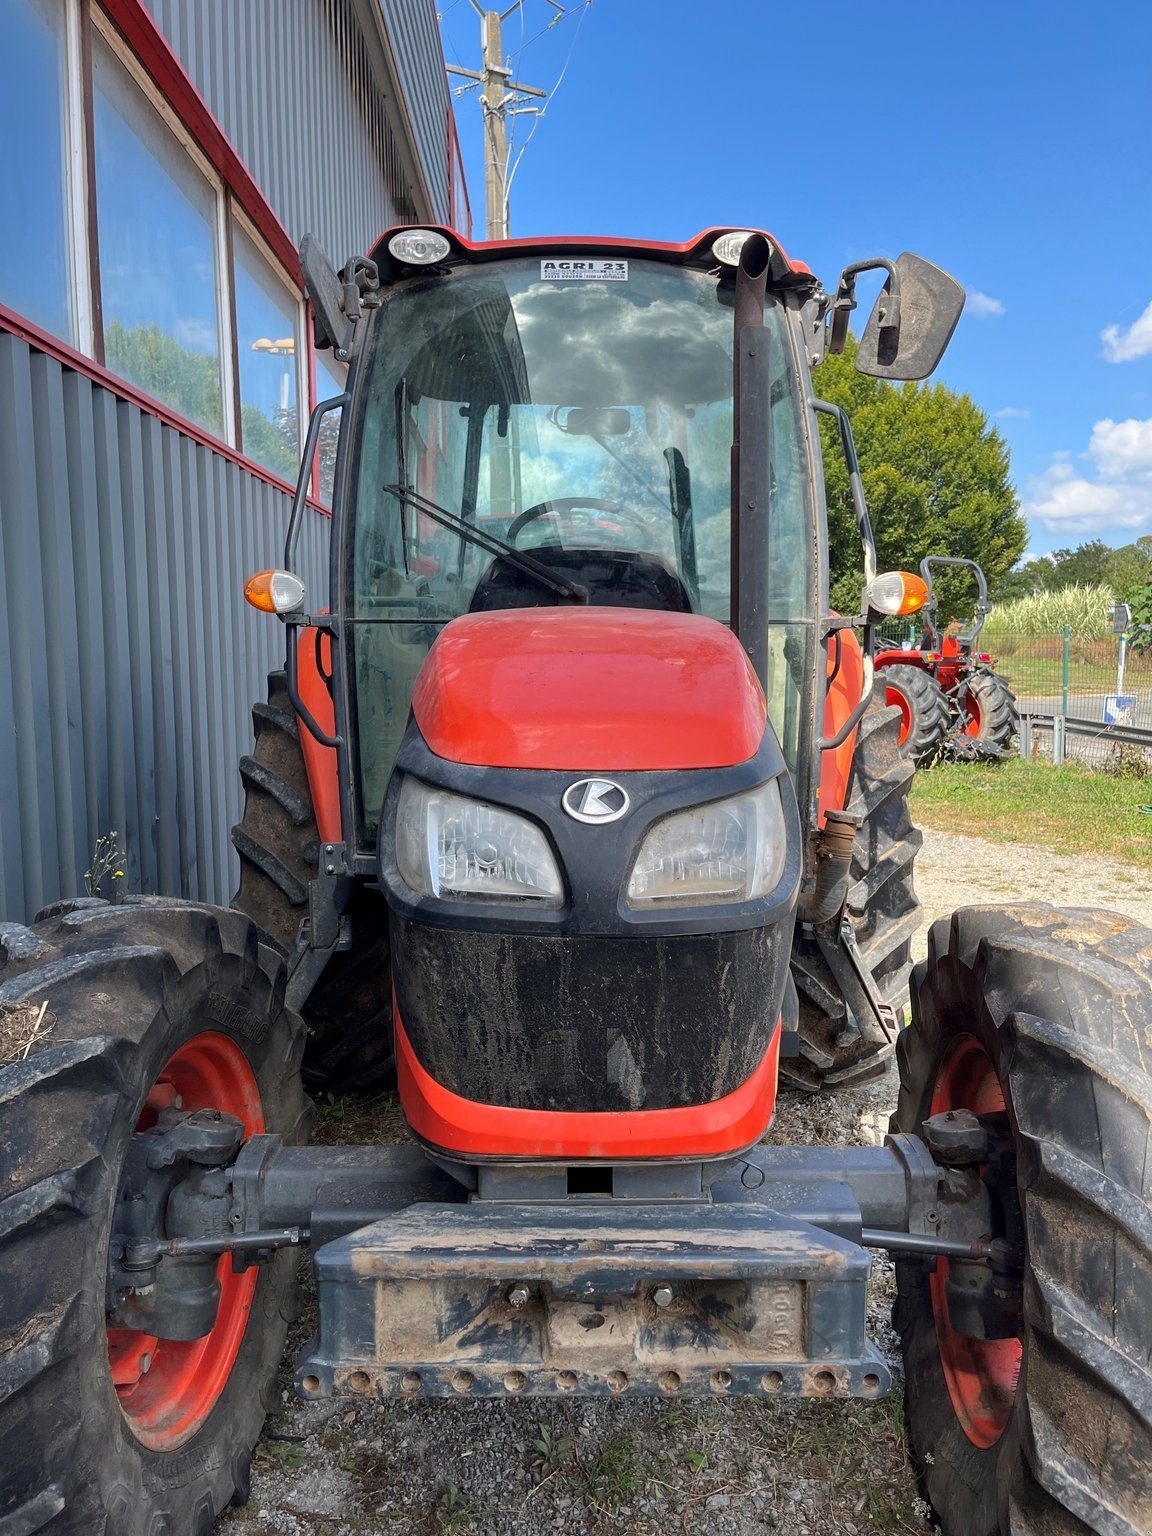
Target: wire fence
x=1084, y=700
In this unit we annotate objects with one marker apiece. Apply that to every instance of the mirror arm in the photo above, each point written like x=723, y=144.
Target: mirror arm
x=845, y=300
x=300, y=499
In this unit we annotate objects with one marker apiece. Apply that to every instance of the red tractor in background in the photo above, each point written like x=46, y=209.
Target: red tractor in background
x=568, y=802
x=951, y=700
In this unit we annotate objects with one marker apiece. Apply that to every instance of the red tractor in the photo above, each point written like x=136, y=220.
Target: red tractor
x=950, y=698
x=568, y=805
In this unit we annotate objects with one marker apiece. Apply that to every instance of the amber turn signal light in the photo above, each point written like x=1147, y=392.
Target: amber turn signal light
x=896, y=593
x=275, y=592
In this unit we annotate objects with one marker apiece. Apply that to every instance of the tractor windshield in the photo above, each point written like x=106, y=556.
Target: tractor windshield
x=589, y=424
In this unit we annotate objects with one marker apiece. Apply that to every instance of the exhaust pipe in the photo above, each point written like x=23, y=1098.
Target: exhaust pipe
x=833, y=865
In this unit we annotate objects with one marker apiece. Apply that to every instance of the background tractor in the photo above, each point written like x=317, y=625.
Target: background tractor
x=569, y=805
x=950, y=698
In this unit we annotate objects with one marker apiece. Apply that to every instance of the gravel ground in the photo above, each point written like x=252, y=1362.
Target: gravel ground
x=648, y=1467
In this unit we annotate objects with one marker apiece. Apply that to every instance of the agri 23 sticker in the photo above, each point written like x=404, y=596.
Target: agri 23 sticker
x=574, y=271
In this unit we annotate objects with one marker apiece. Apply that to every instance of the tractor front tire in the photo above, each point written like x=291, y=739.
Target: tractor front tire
x=993, y=721
x=349, y=1010
x=882, y=908
x=1043, y=1019
x=923, y=709
x=110, y=1011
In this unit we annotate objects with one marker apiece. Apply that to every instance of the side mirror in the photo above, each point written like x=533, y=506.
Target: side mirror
x=333, y=328
x=912, y=321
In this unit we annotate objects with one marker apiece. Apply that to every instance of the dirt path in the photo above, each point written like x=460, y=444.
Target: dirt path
x=721, y=1468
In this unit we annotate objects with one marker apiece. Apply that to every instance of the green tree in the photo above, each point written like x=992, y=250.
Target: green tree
x=936, y=476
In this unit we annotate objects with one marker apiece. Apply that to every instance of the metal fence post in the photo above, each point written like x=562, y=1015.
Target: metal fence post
x=1058, y=741
x=1064, y=686
x=1026, y=738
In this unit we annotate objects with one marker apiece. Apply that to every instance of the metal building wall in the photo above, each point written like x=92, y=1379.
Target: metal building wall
x=128, y=658
x=295, y=84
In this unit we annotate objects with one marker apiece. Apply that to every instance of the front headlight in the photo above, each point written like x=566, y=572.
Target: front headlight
x=727, y=851
x=461, y=849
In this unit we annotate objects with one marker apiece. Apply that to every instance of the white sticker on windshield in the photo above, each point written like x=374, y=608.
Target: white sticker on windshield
x=570, y=271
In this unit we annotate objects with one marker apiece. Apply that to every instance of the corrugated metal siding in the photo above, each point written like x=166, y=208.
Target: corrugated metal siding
x=414, y=36
x=291, y=83
x=128, y=658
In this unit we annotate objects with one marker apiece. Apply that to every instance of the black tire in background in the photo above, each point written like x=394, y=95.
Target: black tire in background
x=125, y=988
x=1060, y=1005
x=996, y=722
x=922, y=705
x=881, y=906
x=349, y=1011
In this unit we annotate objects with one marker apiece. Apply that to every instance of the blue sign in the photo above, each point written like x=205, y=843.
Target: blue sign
x=1120, y=709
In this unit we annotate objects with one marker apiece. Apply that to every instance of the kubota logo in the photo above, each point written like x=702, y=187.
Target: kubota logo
x=595, y=800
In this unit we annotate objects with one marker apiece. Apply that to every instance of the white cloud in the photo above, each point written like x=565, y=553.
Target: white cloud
x=1123, y=344
x=981, y=304
x=196, y=335
x=1116, y=493
x=1012, y=412
x=1122, y=449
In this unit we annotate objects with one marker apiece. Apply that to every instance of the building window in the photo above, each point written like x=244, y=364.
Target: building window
x=35, y=251
x=157, y=221
x=268, y=334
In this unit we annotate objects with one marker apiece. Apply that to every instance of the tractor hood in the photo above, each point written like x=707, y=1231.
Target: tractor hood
x=587, y=688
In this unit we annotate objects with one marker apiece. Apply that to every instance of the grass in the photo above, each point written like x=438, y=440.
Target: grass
x=1068, y=809
x=22, y=1026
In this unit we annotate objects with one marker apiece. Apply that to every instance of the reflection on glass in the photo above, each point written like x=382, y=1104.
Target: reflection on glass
x=35, y=262
x=156, y=217
x=266, y=337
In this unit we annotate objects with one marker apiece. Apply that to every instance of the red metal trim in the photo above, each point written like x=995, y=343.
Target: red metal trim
x=446, y=1120
x=44, y=341
x=320, y=762
x=593, y=242
x=155, y=53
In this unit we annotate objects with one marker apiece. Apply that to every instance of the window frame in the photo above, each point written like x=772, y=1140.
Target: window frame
x=81, y=20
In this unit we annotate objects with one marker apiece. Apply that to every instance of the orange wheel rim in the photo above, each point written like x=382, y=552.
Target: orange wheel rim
x=975, y=714
x=166, y=1389
x=894, y=696
x=981, y=1374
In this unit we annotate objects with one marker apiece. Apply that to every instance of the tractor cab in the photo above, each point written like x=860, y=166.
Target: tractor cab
x=535, y=432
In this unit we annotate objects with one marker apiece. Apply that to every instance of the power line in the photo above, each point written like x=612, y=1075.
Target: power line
x=542, y=112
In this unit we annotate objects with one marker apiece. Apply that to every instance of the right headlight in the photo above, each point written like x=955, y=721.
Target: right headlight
x=725, y=851
x=459, y=849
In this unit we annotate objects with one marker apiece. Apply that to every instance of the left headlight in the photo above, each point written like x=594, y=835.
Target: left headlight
x=726, y=851
x=461, y=849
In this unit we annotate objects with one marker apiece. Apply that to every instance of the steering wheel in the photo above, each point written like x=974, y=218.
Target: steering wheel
x=562, y=504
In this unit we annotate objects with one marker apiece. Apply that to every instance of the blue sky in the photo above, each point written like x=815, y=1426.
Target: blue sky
x=1008, y=140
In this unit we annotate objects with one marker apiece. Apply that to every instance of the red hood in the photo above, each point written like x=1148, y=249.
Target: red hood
x=589, y=690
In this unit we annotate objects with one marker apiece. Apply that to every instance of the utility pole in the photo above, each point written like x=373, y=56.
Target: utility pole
x=498, y=91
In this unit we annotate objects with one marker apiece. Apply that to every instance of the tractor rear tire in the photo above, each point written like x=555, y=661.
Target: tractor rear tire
x=349, y=1011
x=1046, y=1015
x=101, y=1004
x=881, y=906
x=923, y=709
x=993, y=718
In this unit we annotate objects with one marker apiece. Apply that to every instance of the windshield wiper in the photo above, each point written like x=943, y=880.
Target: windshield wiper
x=488, y=542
